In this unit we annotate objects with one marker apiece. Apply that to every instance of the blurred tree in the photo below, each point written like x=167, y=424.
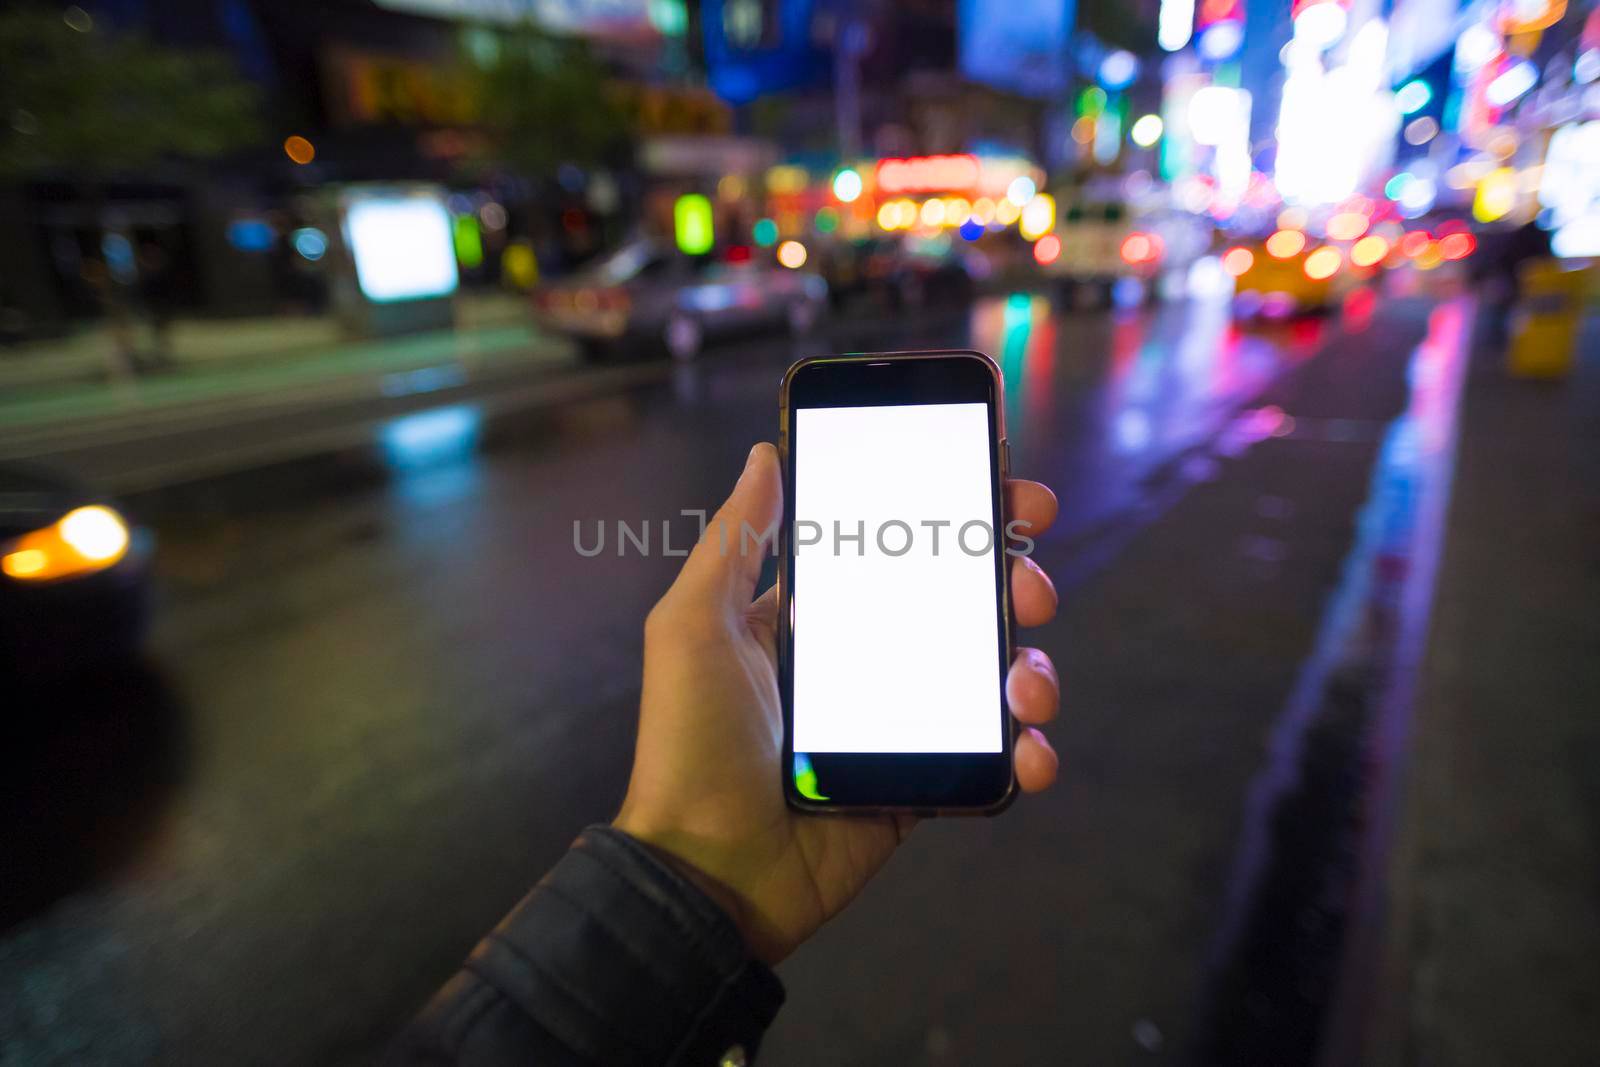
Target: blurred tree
x=544, y=100
x=79, y=99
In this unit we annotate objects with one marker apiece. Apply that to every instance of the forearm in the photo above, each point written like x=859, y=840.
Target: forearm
x=613, y=958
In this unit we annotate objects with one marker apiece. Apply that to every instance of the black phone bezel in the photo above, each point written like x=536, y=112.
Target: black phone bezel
x=917, y=783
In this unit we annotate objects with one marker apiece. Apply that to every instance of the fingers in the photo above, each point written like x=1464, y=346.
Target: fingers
x=1031, y=503
x=1031, y=509
x=726, y=563
x=1033, y=594
x=1032, y=689
x=1036, y=761
x=1034, y=693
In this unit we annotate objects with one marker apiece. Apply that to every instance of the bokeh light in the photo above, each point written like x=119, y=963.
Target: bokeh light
x=1038, y=217
x=792, y=254
x=1369, y=250
x=847, y=186
x=1347, y=226
x=1457, y=245
x=1413, y=96
x=1323, y=263
x=1285, y=243
x=1146, y=130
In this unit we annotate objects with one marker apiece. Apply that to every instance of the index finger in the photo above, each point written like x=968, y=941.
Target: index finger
x=1031, y=503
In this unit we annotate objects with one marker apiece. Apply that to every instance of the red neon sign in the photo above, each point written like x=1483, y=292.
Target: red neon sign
x=927, y=174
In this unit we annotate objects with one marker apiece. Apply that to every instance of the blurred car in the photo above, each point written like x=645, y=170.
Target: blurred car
x=900, y=271
x=1289, y=272
x=1103, y=245
x=73, y=577
x=644, y=298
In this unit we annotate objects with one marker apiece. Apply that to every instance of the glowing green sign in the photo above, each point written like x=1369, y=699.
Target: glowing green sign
x=691, y=217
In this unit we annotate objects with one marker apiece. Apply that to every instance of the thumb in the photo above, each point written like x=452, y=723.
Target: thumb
x=726, y=564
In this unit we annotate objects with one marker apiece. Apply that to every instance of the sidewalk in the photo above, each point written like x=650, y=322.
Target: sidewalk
x=53, y=392
x=1492, y=951
x=80, y=356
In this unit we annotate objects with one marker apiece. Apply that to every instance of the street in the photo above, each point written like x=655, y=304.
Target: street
x=384, y=692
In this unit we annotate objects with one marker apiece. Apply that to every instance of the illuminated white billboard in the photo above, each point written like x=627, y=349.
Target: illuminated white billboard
x=402, y=245
x=1571, y=189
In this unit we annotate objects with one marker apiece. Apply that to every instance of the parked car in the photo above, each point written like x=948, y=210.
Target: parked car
x=644, y=298
x=73, y=577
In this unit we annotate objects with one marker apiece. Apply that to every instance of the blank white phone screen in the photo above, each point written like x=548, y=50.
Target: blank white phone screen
x=896, y=631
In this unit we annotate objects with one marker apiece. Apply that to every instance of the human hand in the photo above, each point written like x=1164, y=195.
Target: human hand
x=705, y=789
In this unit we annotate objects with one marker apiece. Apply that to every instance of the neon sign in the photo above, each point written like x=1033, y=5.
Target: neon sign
x=924, y=174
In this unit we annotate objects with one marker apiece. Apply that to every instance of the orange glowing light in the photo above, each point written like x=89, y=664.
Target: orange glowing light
x=927, y=174
x=1323, y=263
x=1237, y=260
x=85, y=540
x=1457, y=245
x=299, y=149
x=1429, y=257
x=1047, y=249
x=26, y=563
x=1347, y=226
x=1369, y=250
x=1285, y=244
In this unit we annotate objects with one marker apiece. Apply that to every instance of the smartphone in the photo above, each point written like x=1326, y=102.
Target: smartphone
x=895, y=612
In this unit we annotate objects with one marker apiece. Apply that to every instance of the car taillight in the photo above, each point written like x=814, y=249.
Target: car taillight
x=1138, y=248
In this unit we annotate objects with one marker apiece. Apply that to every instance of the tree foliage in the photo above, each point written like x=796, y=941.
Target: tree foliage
x=544, y=100
x=94, y=102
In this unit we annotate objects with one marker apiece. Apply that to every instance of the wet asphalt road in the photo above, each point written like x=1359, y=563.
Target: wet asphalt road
x=384, y=692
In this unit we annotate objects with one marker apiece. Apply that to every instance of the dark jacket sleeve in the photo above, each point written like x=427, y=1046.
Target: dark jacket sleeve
x=612, y=959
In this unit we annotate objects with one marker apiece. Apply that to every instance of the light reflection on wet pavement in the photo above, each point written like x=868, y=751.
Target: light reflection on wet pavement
x=395, y=693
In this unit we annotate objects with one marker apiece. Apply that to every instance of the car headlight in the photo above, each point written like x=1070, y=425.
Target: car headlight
x=82, y=541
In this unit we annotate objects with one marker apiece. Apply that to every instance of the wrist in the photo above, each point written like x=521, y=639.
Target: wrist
x=670, y=852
